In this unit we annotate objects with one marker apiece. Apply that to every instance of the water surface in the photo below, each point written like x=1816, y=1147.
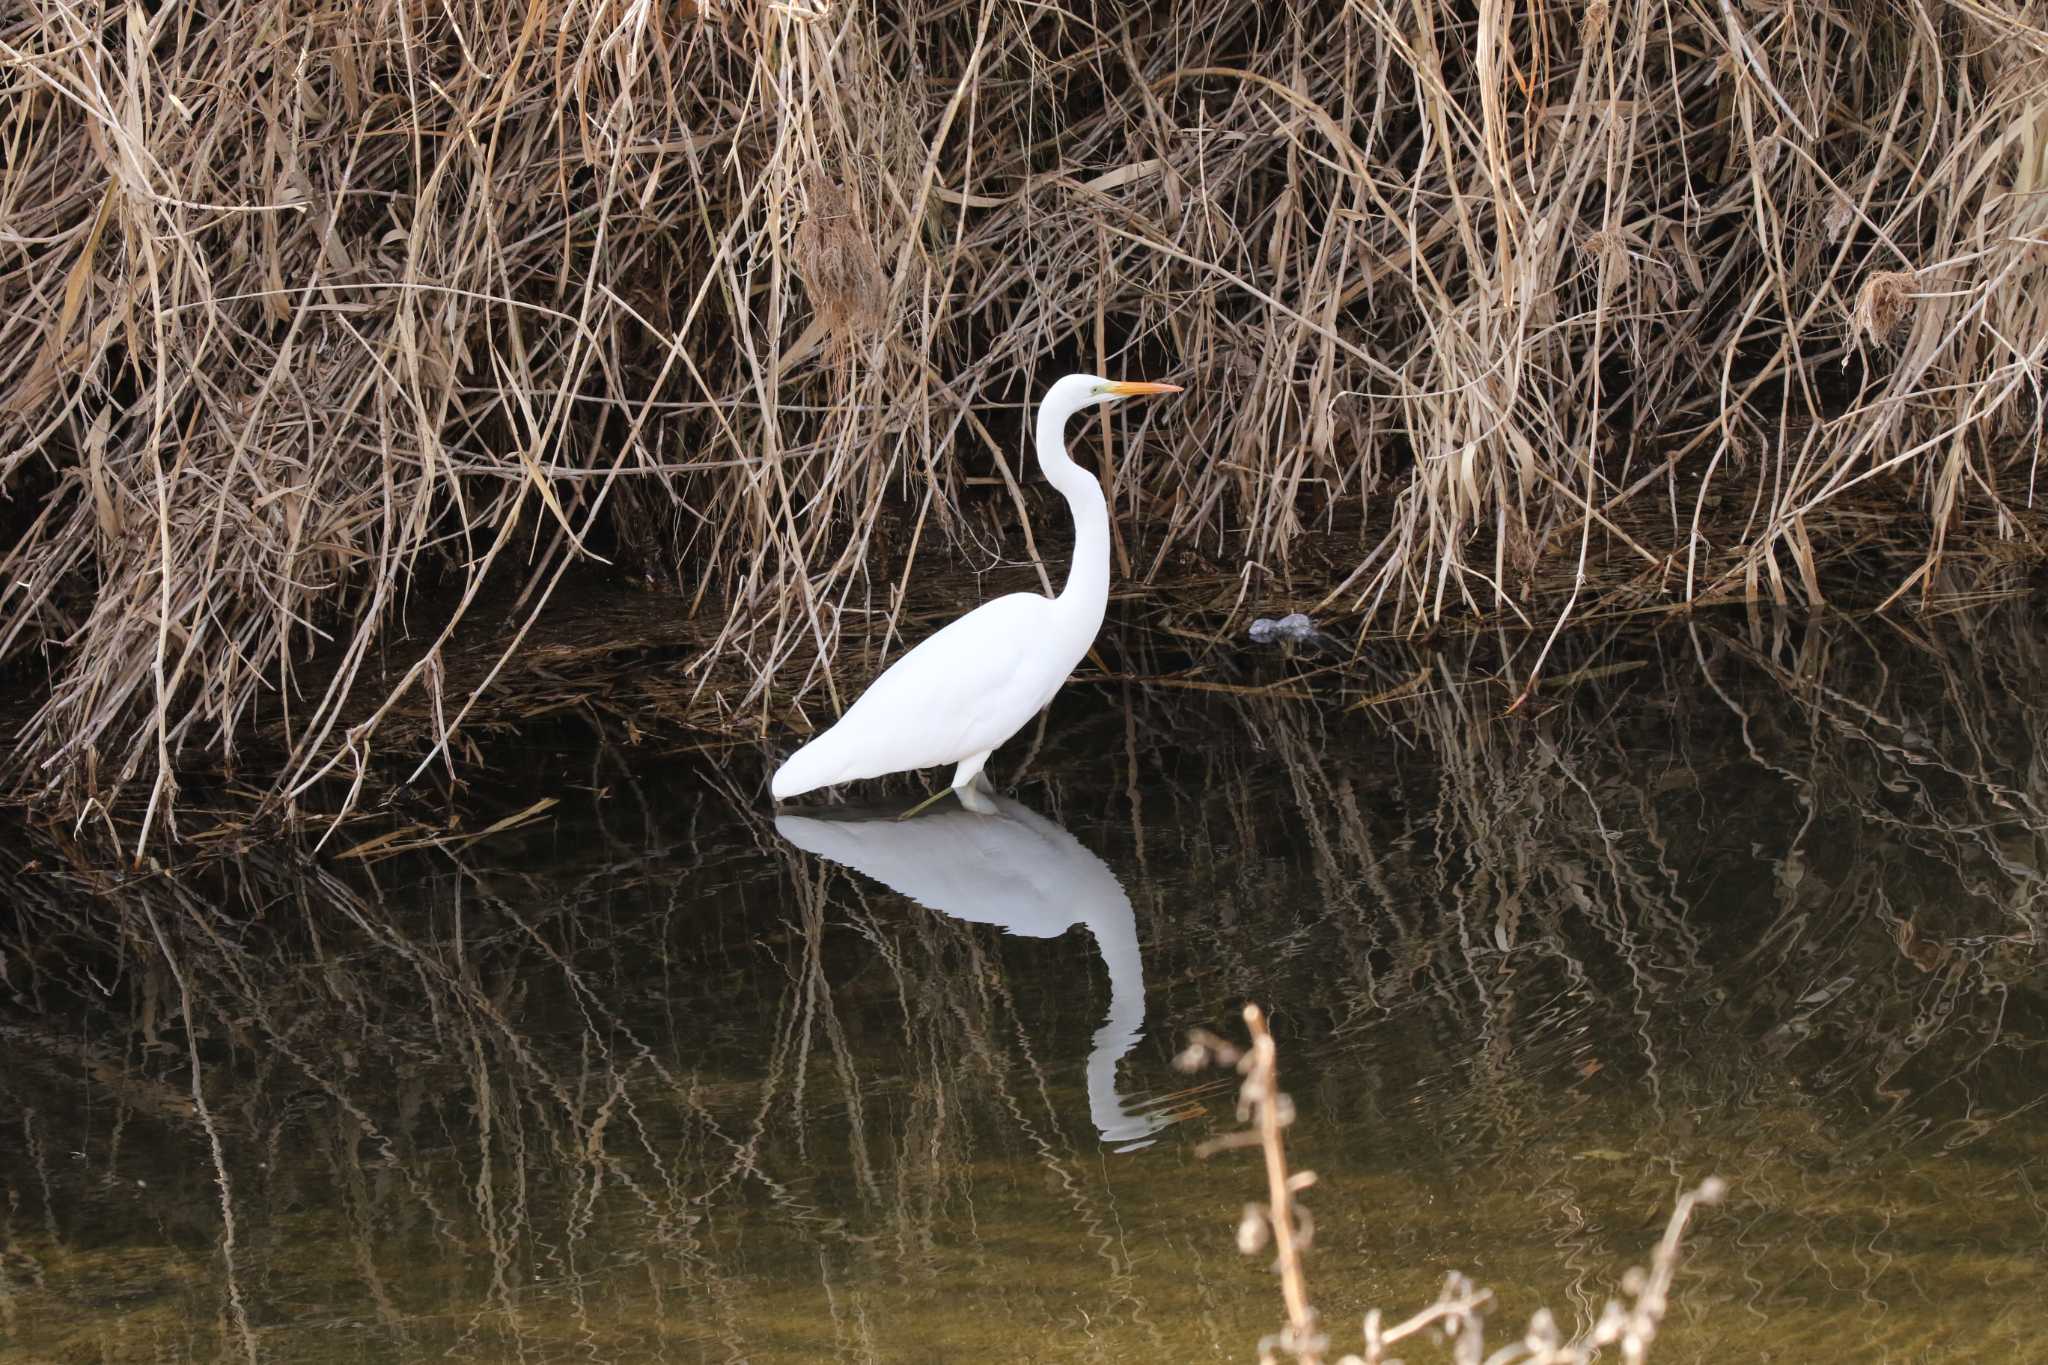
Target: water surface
x=663, y=1077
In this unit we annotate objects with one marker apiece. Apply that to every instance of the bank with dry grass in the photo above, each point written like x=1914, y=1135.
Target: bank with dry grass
x=310, y=306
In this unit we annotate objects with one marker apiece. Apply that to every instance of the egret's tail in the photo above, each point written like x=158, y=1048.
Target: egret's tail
x=808, y=769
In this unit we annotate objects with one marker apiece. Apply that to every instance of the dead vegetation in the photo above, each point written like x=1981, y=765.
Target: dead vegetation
x=306, y=307
x=1457, y=1320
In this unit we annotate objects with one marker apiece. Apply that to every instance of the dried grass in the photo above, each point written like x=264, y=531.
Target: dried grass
x=1457, y=1320
x=304, y=307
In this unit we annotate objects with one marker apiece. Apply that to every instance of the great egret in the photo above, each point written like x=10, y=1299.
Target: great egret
x=962, y=692
x=1017, y=870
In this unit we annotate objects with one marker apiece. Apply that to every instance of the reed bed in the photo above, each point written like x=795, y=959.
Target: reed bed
x=306, y=308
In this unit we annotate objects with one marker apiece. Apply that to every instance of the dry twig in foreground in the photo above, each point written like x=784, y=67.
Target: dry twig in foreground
x=1458, y=1315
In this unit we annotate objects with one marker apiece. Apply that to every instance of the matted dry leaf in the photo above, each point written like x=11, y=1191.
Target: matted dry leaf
x=836, y=255
x=1883, y=302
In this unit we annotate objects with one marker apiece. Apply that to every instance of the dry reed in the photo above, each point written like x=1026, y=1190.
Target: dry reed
x=1458, y=1317
x=305, y=308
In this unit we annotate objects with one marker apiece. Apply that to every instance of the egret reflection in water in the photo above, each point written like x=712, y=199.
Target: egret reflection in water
x=1017, y=870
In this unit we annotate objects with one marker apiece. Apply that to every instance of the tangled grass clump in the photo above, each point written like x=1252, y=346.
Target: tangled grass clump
x=306, y=306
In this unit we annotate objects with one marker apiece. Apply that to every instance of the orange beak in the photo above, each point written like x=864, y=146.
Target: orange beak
x=1135, y=390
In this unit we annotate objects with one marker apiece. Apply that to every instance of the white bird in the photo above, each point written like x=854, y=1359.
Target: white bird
x=1017, y=870
x=962, y=692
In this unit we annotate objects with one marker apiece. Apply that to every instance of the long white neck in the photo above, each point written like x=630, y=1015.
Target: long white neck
x=1087, y=587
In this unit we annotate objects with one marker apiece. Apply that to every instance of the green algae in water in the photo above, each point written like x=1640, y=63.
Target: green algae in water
x=653, y=1081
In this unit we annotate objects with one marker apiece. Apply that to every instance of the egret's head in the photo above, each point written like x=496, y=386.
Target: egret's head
x=1078, y=391
x=1112, y=390
x=1072, y=396
x=1116, y=390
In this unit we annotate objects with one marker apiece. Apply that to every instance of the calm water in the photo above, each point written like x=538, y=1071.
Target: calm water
x=660, y=1076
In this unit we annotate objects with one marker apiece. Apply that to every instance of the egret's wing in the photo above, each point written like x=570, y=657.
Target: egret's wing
x=966, y=689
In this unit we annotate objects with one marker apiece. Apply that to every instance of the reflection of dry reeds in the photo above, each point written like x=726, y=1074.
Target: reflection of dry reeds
x=479, y=1056
x=1811, y=882
x=1458, y=1316
x=310, y=307
x=639, y=1058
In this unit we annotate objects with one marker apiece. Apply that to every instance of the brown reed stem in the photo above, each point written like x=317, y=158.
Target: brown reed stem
x=1459, y=1310
x=1273, y=1112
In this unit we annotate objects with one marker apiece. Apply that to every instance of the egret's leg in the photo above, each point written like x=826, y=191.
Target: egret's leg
x=968, y=784
x=971, y=785
x=921, y=806
x=970, y=769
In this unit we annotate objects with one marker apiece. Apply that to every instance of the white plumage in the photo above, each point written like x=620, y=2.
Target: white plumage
x=1011, y=867
x=962, y=692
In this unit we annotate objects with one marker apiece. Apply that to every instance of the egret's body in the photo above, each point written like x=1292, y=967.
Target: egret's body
x=962, y=692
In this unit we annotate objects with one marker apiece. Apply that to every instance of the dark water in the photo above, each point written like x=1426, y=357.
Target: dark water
x=656, y=1077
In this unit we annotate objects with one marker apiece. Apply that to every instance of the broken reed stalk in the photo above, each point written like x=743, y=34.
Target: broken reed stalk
x=306, y=308
x=1269, y=1110
x=1458, y=1314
